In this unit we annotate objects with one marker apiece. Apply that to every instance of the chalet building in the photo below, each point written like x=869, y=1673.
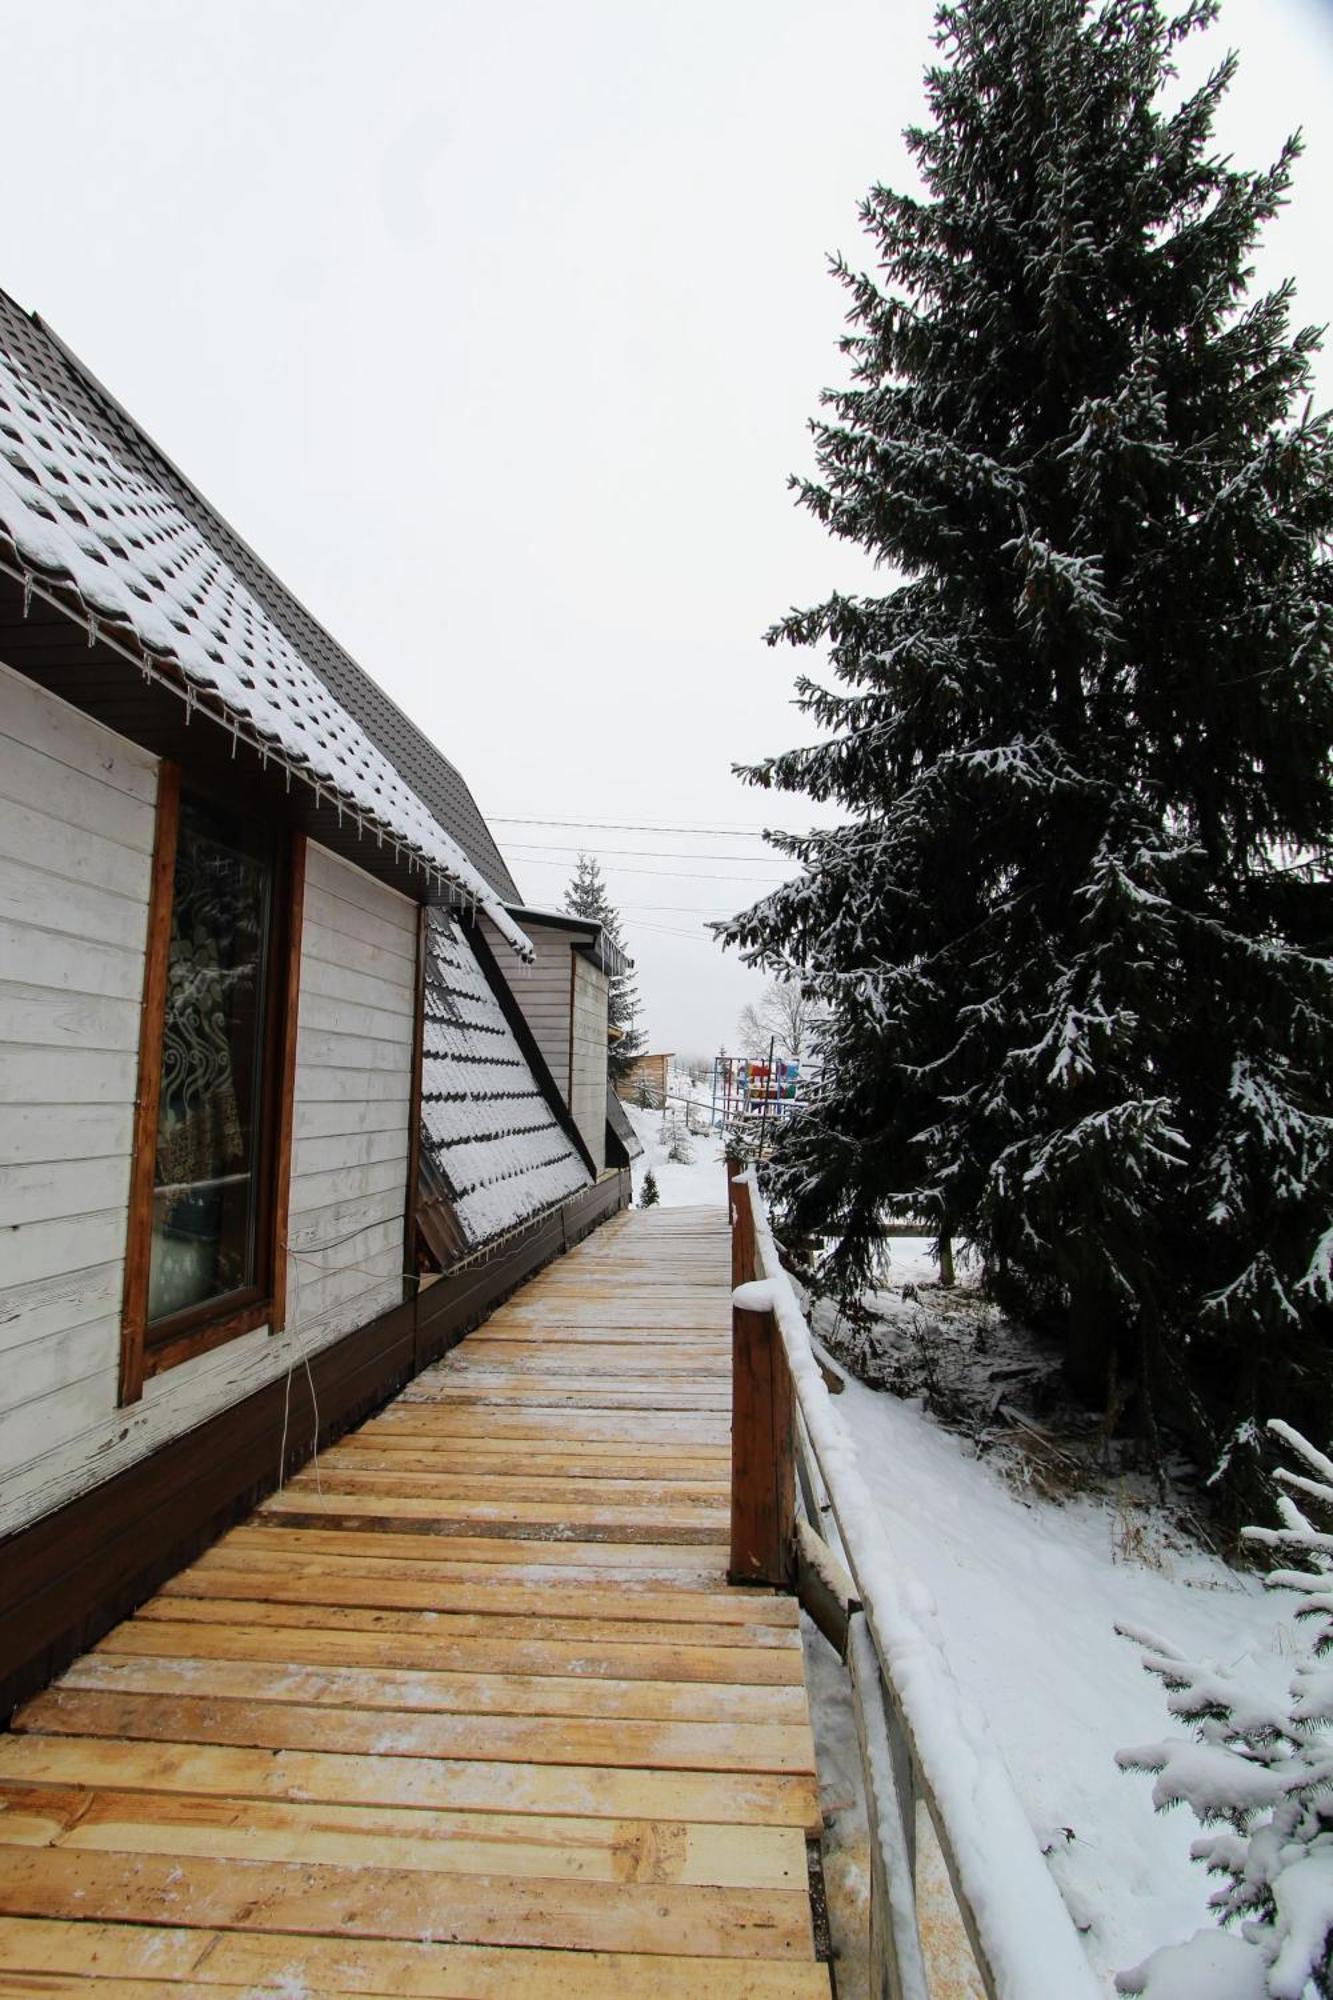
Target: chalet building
x=292, y=1086
x=647, y=1079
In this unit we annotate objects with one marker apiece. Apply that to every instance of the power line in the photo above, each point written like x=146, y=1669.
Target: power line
x=664, y=930
x=643, y=853
x=626, y=826
x=680, y=909
x=663, y=874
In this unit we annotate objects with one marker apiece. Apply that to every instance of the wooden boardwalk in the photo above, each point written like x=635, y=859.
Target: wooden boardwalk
x=466, y=1710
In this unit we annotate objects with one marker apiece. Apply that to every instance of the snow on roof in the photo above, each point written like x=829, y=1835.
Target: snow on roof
x=77, y=513
x=486, y=1128
x=605, y=952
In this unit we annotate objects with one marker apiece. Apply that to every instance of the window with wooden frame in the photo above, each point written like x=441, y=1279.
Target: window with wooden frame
x=205, y=1259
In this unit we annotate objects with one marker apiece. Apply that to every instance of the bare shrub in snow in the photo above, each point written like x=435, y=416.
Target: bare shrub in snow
x=1258, y=1777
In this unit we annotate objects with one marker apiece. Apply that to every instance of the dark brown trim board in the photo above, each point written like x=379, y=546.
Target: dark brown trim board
x=202, y=1339
x=73, y=1575
x=134, y=1309
x=289, y=999
x=414, y=1112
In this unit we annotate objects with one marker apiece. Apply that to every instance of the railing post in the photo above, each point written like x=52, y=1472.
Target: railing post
x=763, y=1462
x=742, y=1225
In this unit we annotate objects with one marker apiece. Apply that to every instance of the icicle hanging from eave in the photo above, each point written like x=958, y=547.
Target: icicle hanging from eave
x=468, y=886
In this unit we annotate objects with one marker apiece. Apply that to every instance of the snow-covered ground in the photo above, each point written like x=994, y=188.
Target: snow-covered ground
x=681, y=1184
x=1028, y=1593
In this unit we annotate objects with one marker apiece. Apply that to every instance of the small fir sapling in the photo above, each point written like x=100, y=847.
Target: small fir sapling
x=1258, y=1776
x=1071, y=930
x=648, y=1193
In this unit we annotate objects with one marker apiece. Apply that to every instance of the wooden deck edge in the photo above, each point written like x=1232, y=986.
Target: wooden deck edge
x=76, y=1572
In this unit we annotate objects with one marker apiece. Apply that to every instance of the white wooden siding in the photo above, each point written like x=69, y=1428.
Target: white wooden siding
x=76, y=832
x=542, y=991
x=353, y=1099
x=76, y=843
x=587, y=1096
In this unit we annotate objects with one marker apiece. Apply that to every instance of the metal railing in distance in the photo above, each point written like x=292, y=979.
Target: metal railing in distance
x=961, y=1898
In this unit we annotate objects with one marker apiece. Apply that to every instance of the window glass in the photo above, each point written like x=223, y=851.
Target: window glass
x=205, y=1196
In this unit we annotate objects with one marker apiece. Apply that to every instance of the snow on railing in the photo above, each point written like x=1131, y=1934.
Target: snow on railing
x=922, y=1740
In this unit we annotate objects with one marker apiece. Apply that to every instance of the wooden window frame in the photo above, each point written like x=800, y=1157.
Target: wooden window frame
x=146, y=1352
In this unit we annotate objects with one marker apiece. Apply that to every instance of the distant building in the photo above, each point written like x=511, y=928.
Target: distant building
x=647, y=1078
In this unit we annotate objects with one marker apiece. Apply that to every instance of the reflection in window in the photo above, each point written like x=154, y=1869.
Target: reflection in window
x=205, y=1196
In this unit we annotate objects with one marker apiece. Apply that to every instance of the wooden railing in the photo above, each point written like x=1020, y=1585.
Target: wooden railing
x=961, y=1900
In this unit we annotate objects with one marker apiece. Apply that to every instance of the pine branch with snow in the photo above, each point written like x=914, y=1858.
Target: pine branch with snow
x=1258, y=1777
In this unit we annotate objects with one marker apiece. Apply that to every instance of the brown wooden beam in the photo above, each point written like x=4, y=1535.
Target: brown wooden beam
x=763, y=1418
x=289, y=999
x=139, y=1233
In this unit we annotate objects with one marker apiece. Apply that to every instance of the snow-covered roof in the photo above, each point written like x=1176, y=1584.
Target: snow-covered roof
x=88, y=518
x=622, y=1125
x=488, y=1134
x=600, y=946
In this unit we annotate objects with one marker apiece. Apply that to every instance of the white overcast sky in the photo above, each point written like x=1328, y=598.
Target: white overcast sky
x=495, y=329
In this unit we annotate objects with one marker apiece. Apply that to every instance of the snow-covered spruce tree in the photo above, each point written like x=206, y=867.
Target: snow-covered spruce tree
x=1073, y=932
x=1262, y=1772
x=586, y=897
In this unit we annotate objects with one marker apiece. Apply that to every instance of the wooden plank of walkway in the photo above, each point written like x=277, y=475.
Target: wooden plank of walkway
x=468, y=1709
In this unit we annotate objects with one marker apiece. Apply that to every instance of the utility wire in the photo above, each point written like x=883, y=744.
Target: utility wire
x=661, y=874
x=663, y=930
x=627, y=826
x=682, y=909
x=642, y=853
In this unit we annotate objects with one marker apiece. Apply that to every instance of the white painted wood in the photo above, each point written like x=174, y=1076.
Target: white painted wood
x=67, y=737
x=377, y=1276
x=352, y=1102
x=100, y=1131
x=38, y=1250
x=33, y=895
x=320, y=1190
x=55, y=1020
x=42, y=1366
x=77, y=798
x=343, y=1017
x=330, y=1085
x=85, y=1077
x=587, y=1095
x=351, y=888
x=67, y=1189
x=339, y=1224
x=52, y=1305
x=73, y=918
x=46, y=842
x=43, y=955
x=76, y=834
x=332, y=1151
x=542, y=990
x=319, y=1117
x=376, y=991
x=317, y=1048
x=353, y=925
